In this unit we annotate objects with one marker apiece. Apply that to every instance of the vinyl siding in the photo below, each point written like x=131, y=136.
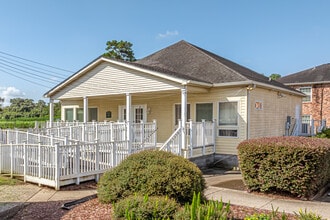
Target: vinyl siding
x=270, y=121
x=110, y=79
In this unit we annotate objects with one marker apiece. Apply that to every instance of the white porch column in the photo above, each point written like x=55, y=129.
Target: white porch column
x=183, y=116
x=129, y=121
x=51, y=112
x=85, y=109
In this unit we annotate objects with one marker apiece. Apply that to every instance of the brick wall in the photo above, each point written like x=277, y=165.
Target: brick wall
x=319, y=107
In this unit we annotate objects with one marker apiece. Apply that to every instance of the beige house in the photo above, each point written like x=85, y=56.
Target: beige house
x=180, y=80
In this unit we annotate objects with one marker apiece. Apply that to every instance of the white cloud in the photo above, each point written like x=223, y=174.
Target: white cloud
x=168, y=34
x=9, y=93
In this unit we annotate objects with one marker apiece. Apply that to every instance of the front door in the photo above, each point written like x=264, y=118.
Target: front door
x=139, y=113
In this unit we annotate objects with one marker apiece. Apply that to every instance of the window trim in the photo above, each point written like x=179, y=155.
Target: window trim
x=228, y=127
x=310, y=95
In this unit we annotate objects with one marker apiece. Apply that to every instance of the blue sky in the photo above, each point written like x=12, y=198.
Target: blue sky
x=282, y=36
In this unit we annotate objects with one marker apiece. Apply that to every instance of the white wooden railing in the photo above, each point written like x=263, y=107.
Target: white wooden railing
x=310, y=128
x=200, y=138
x=56, y=165
x=58, y=161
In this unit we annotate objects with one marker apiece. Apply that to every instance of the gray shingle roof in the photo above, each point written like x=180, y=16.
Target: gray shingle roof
x=313, y=75
x=187, y=59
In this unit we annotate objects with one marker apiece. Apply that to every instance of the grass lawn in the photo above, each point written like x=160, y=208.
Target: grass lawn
x=4, y=180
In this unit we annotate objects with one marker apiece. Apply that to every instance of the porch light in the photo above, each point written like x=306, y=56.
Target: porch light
x=251, y=87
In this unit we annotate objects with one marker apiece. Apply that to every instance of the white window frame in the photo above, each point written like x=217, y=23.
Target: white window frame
x=310, y=95
x=228, y=127
x=75, y=109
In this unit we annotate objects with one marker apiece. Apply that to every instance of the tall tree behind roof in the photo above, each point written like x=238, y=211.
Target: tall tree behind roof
x=121, y=50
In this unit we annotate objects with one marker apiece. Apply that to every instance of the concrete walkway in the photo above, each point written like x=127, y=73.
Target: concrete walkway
x=14, y=198
x=244, y=198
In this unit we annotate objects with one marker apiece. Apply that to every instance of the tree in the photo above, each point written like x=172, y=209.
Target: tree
x=2, y=100
x=121, y=50
x=275, y=76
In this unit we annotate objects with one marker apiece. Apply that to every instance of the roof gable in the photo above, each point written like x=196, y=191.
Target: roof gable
x=316, y=74
x=183, y=63
x=193, y=61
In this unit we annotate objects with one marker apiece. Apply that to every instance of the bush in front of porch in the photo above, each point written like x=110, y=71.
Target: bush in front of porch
x=153, y=173
x=299, y=166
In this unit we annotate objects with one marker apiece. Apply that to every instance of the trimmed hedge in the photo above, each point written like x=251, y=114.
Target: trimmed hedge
x=296, y=165
x=153, y=173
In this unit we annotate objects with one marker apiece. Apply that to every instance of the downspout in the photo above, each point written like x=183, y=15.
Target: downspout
x=321, y=107
x=248, y=102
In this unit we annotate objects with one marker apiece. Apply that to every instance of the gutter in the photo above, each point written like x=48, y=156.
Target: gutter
x=251, y=82
x=306, y=83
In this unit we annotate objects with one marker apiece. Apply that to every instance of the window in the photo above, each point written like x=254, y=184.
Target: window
x=92, y=114
x=228, y=119
x=305, y=123
x=308, y=92
x=228, y=113
x=138, y=114
x=178, y=112
x=68, y=114
x=80, y=114
x=204, y=111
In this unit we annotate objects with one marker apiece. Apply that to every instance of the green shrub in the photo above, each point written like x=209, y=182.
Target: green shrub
x=296, y=165
x=324, y=134
x=144, y=207
x=209, y=210
x=153, y=173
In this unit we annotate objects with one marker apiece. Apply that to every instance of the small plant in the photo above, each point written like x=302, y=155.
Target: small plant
x=145, y=207
x=274, y=215
x=304, y=215
x=210, y=210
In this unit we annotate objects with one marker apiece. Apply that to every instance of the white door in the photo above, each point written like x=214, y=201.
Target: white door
x=139, y=113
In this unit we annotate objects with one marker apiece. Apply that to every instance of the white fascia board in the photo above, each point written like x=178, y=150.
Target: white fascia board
x=251, y=82
x=306, y=83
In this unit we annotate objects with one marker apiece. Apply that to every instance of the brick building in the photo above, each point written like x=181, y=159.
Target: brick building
x=315, y=84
